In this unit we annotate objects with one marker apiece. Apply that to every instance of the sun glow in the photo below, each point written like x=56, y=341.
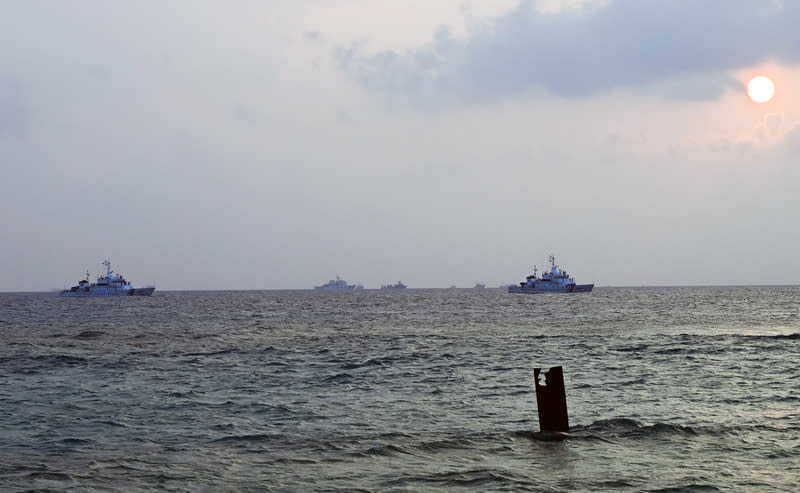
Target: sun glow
x=760, y=89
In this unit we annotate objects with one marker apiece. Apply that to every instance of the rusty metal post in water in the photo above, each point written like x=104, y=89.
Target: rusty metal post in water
x=551, y=399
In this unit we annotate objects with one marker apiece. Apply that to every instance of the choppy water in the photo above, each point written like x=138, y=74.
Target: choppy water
x=668, y=389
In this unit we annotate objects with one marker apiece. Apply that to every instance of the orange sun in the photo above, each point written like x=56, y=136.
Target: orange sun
x=760, y=89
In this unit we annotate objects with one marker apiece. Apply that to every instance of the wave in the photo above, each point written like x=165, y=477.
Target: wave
x=612, y=429
x=474, y=478
x=688, y=488
x=295, y=460
x=75, y=441
x=26, y=362
x=90, y=334
x=256, y=437
x=338, y=378
x=220, y=352
x=390, y=359
x=115, y=423
x=388, y=450
x=635, y=348
x=50, y=477
x=626, y=427
x=237, y=351
x=788, y=337
x=367, y=362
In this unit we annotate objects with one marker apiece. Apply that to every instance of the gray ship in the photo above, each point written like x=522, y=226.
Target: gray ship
x=339, y=284
x=399, y=285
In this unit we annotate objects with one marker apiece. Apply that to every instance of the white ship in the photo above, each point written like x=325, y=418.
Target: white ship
x=339, y=284
x=109, y=284
x=555, y=281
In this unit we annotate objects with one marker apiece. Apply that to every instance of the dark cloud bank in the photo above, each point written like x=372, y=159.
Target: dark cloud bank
x=689, y=47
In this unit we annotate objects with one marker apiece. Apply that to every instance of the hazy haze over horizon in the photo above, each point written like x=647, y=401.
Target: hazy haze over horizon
x=277, y=144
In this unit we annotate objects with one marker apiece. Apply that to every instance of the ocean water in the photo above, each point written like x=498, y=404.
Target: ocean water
x=668, y=389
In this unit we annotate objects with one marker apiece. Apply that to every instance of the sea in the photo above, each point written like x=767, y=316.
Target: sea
x=668, y=389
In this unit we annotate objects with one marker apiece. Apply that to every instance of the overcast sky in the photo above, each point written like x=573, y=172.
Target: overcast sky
x=276, y=144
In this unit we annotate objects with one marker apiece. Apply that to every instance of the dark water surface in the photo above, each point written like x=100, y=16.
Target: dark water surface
x=668, y=389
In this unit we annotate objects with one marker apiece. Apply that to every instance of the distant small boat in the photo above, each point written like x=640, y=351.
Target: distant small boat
x=109, y=284
x=338, y=284
x=398, y=285
x=479, y=286
x=555, y=281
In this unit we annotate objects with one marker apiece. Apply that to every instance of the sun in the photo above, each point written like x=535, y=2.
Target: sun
x=760, y=89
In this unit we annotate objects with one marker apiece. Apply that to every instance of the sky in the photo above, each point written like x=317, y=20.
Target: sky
x=277, y=144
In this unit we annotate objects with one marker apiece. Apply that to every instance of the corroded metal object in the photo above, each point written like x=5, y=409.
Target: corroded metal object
x=551, y=399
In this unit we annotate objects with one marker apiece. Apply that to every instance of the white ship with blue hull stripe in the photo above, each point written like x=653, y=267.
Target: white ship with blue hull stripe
x=555, y=281
x=110, y=284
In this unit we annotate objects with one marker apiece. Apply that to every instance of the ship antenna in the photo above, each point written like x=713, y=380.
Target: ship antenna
x=107, y=265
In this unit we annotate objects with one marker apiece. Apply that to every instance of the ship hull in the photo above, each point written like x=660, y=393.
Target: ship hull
x=572, y=288
x=106, y=293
